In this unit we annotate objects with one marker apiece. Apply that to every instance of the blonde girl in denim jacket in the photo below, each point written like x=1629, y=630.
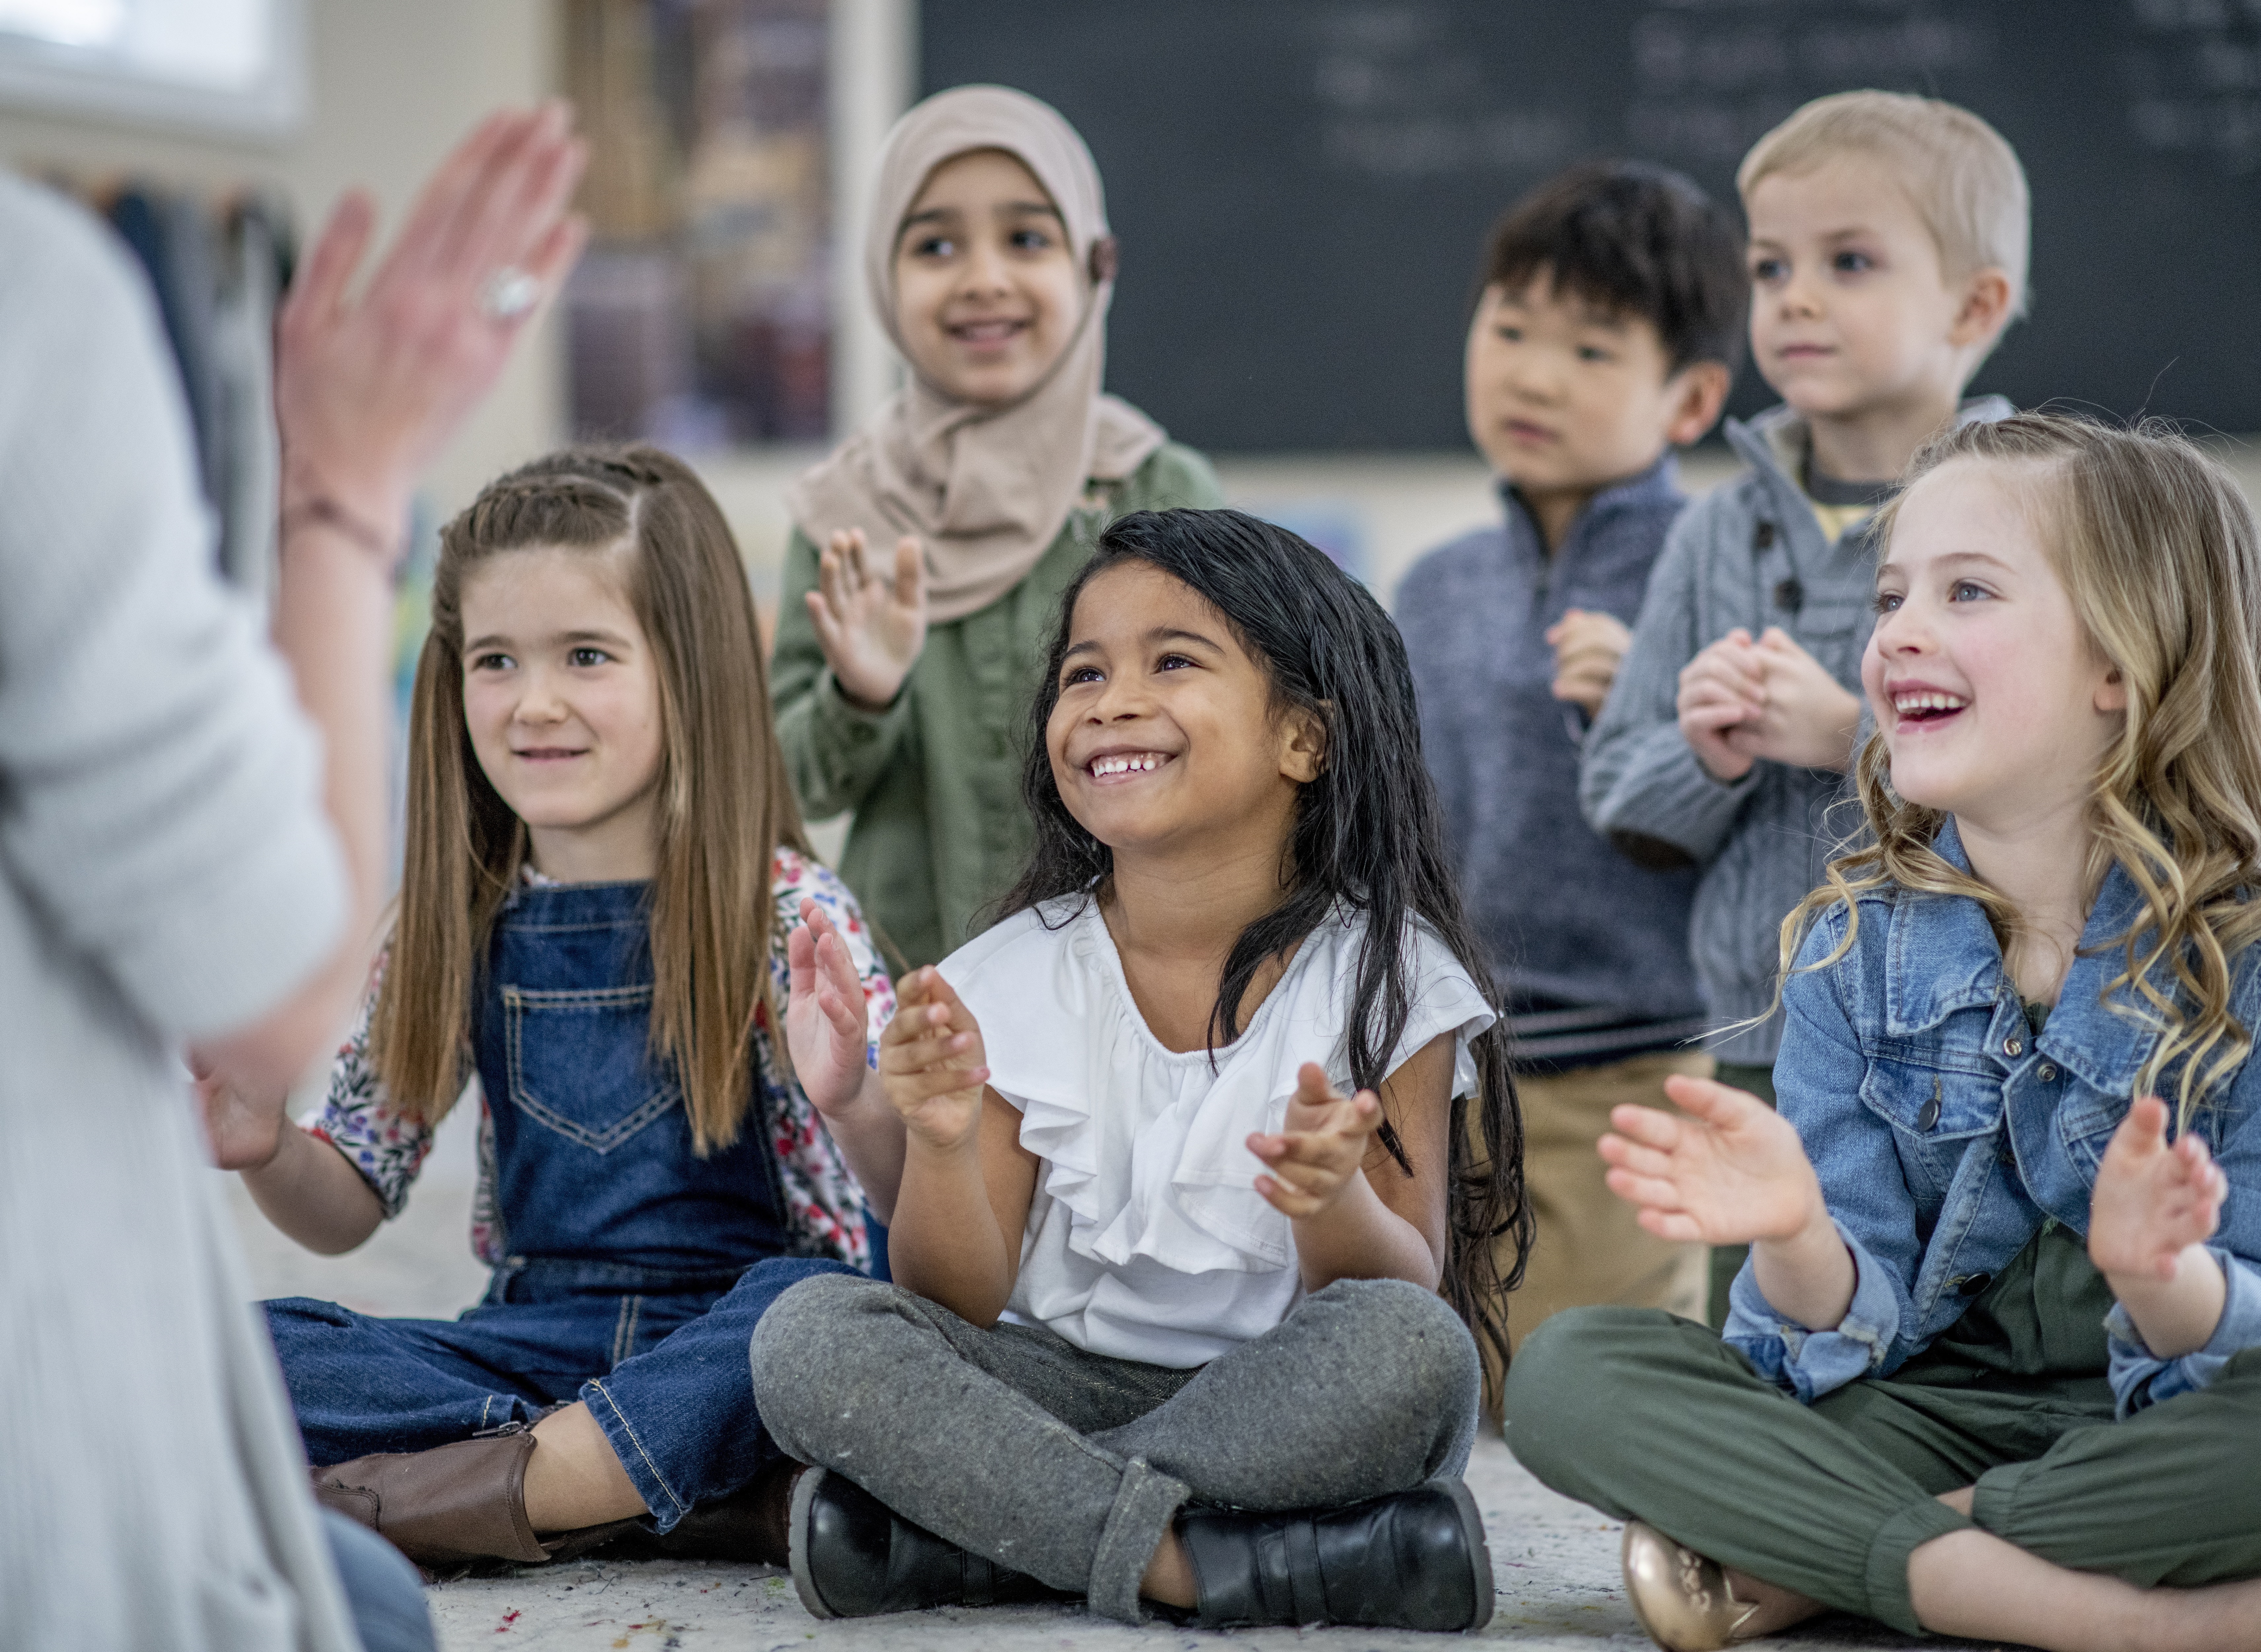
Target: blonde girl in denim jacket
x=1993, y=1369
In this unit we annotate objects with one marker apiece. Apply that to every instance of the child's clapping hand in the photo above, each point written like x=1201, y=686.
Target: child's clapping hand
x=871, y=626
x=1322, y=1148
x=1741, y=700
x=826, y=1021
x=2152, y=1201
x=932, y=1062
x=1588, y=647
x=2151, y=1212
x=1730, y=1171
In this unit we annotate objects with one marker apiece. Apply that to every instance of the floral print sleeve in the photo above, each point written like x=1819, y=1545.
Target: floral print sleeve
x=356, y=1117
x=823, y=1203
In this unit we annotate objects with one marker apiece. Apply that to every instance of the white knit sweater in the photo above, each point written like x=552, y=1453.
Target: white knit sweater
x=165, y=873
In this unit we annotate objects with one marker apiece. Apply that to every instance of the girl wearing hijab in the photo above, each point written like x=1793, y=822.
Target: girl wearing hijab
x=903, y=676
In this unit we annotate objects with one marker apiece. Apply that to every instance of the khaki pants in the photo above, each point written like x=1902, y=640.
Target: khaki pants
x=1589, y=1251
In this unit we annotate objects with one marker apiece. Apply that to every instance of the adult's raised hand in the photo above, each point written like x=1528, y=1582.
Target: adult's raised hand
x=369, y=388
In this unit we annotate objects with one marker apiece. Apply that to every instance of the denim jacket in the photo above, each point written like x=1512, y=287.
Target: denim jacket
x=1945, y=1132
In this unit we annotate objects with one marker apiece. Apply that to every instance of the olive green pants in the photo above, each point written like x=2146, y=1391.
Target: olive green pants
x=1727, y=1260
x=1645, y=1416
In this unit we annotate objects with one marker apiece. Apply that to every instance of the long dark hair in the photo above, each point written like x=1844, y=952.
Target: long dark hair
x=1367, y=835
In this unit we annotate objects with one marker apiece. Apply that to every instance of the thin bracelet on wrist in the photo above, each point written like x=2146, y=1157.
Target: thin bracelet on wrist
x=321, y=511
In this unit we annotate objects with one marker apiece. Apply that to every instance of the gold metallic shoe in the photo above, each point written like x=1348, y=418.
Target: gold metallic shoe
x=1683, y=1599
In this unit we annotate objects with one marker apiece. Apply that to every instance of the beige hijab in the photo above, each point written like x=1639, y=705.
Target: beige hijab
x=985, y=490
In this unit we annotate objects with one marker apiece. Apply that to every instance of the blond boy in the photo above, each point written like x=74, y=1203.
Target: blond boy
x=1888, y=249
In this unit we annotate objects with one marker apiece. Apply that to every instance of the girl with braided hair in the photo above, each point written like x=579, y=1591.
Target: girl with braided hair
x=610, y=920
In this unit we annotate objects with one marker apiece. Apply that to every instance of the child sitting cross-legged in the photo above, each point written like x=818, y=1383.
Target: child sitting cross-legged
x=1994, y=1364
x=1192, y=1219
x=610, y=919
x=1609, y=321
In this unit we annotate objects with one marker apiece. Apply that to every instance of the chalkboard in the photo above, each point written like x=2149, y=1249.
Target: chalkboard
x=1303, y=189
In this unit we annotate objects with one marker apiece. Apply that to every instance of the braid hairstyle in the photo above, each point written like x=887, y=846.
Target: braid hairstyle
x=725, y=805
x=1367, y=834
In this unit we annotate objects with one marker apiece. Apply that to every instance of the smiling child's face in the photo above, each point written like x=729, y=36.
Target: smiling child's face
x=1565, y=396
x=1994, y=704
x=1851, y=312
x=988, y=293
x=1164, y=736
x=561, y=696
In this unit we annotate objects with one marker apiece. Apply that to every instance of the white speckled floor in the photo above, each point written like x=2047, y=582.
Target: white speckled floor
x=1556, y=1561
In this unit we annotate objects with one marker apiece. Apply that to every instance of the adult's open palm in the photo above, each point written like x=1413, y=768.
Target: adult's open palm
x=369, y=388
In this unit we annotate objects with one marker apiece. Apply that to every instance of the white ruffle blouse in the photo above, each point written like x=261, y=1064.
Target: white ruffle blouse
x=1147, y=1239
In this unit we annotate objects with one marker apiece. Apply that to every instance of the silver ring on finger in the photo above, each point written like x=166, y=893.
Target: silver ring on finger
x=508, y=294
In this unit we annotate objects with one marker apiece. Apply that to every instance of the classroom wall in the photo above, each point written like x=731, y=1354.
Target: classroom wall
x=392, y=84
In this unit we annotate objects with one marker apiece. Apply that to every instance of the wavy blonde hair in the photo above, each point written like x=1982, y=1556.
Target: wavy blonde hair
x=725, y=803
x=2157, y=549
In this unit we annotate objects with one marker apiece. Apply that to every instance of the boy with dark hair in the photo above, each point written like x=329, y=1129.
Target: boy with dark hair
x=1606, y=333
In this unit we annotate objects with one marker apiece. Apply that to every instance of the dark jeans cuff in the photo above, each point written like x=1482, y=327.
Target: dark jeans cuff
x=660, y=1497
x=1147, y=1501
x=1897, y=1539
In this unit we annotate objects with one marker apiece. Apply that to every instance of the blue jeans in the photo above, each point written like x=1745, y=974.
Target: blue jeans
x=662, y=1370
x=383, y=1597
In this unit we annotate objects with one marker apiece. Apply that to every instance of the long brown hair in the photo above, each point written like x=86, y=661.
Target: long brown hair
x=724, y=803
x=2157, y=549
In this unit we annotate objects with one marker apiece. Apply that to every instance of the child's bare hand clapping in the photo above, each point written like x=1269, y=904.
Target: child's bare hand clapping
x=932, y=1062
x=871, y=626
x=826, y=1021
x=2152, y=1201
x=1731, y=1171
x=1325, y=1143
x=245, y=1132
x=2152, y=1210
x=1588, y=647
x=1722, y=690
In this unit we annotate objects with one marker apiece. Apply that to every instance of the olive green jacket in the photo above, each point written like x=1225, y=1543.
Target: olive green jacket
x=935, y=779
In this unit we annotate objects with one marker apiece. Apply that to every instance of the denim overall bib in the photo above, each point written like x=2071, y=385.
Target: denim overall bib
x=634, y=1271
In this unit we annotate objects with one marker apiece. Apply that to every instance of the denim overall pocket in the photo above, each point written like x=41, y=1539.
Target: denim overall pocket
x=581, y=1062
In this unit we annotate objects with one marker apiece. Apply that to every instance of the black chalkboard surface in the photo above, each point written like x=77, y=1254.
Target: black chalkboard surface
x=1303, y=189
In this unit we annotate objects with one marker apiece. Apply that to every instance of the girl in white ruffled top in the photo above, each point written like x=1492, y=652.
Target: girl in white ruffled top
x=1210, y=1137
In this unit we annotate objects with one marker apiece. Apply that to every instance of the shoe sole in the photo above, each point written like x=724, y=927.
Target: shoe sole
x=1472, y=1526
x=804, y=1582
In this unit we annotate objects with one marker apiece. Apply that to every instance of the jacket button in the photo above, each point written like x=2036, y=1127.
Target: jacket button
x=1929, y=1116
x=2014, y=1047
x=1762, y=536
x=1971, y=1283
x=2046, y=1072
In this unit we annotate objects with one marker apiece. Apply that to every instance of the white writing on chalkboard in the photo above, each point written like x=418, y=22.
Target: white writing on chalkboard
x=2193, y=74
x=1708, y=83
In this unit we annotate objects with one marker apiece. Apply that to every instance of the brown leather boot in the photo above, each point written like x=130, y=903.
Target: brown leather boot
x=453, y=1505
x=749, y=1527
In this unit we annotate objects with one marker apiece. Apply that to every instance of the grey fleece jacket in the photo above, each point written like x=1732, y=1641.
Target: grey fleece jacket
x=1590, y=951
x=1750, y=553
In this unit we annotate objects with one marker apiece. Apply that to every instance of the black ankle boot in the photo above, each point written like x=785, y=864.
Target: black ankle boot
x=854, y=1557
x=1412, y=1560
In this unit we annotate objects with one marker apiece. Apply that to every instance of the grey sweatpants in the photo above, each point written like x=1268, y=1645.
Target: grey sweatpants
x=1016, y=1444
